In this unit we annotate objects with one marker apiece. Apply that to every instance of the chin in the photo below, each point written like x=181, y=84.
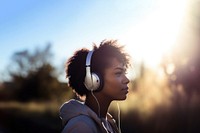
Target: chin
x=124, y=98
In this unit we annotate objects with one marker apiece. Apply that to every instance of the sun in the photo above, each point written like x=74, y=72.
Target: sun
x=155, y=34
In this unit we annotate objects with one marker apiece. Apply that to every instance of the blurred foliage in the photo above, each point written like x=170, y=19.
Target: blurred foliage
x=33, y=77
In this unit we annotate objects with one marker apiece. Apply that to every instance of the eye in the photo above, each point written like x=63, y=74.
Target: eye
x=118, y=73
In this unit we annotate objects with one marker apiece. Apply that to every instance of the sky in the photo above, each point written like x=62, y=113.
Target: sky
x=147, y=28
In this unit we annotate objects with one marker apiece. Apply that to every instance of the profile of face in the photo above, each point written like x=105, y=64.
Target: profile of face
x=115, y=81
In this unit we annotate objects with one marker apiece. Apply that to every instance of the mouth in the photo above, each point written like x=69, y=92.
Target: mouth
x=125, y=90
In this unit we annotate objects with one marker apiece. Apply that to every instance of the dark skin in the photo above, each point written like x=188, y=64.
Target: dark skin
x=115, y=88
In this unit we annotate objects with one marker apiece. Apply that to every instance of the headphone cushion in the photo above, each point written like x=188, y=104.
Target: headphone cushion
x=97, y=82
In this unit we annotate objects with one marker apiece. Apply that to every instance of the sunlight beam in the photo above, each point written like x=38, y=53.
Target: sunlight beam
x=155, y=34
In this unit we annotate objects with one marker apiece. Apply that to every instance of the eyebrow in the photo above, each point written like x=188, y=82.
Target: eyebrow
x=120, y=68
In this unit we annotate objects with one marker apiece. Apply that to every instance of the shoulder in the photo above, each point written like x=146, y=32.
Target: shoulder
x=81, y=123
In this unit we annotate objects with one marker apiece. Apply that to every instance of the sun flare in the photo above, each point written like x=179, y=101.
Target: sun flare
x=155, y=35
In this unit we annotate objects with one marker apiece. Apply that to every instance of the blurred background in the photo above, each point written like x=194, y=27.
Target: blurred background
x=162, y=37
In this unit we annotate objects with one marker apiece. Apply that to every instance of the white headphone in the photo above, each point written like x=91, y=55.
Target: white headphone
x=92, y=80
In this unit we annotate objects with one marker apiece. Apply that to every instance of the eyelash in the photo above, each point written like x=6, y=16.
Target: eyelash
x=119, y=73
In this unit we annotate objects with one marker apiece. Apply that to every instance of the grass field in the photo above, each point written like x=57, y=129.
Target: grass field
x=29, y=117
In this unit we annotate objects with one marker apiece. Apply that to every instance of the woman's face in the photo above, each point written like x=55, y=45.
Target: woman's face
x=115, y=81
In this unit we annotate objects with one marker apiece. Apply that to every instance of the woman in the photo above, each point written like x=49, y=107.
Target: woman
x=100, y=76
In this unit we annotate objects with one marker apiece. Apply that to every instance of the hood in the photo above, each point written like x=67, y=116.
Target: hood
x=75, y=108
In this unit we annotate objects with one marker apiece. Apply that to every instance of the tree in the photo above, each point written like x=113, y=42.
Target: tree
x=33, y=75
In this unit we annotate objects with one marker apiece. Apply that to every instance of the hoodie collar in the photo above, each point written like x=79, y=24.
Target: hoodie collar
x=74, y=108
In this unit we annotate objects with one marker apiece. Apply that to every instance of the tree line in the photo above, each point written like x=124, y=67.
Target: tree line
x=33, y=77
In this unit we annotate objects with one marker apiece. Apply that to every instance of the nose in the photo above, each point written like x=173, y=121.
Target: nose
x=126, y=80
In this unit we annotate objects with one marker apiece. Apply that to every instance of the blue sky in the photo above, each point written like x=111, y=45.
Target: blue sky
x=71, y=24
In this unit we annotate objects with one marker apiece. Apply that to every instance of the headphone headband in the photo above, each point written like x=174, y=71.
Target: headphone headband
x=88, y=59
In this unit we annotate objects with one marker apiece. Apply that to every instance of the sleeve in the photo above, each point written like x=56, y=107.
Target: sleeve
x=80, y=124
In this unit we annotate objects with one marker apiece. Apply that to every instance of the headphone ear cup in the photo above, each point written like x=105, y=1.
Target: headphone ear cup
x=97, y=82
x=93, y=81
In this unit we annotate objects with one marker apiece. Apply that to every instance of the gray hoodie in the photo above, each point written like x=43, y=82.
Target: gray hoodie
x=79, y=118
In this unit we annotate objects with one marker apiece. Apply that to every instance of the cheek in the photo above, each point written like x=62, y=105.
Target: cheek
x=112, y=84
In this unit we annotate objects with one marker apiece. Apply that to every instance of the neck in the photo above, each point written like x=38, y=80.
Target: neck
x=99, y=105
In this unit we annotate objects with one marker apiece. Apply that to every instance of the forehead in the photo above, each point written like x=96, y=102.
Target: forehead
x=114, y=64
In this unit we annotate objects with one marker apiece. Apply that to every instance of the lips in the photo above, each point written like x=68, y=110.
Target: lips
x=125, y=89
